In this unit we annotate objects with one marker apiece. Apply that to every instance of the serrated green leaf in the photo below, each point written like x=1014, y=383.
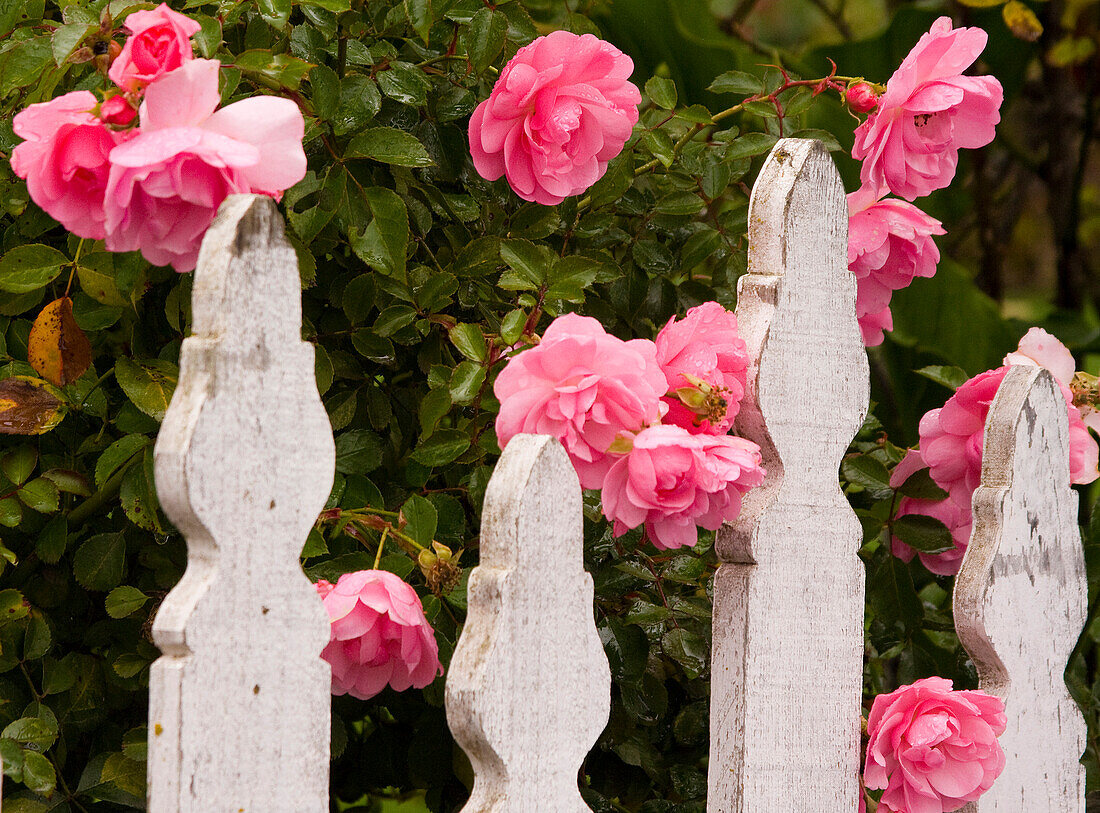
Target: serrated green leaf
x=529, y=265
x=116, y=455
x=868, y=473
x=923, y=533
x=11, y=512
x=750, y=144
x=948, y=376
x=30, y=267
x=470, y=341
x=38, y=773
x=12, y=606
x=52, y=540
x=443, y=447
x=390, y=146
x=921, y=486
x=358, y=452
x=659, y=143
x=359, y=102
x=275, y=13
x=138, y=495
x=420, y=16
x=737, y=82
x=288, y=71
x=662, y=92
x=421, y=518
x=40, y=495
x=466, y=382
x=486, y=36
x=100, y=562
x=148, y=383
x=405, y=83
x=626, y=648
x=384, y=241
x=18, y=464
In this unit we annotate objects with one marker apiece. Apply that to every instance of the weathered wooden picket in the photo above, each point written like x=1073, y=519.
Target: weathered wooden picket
x=239, y=709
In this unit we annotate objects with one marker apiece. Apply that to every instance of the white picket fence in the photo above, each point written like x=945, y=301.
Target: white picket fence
x=239, y=702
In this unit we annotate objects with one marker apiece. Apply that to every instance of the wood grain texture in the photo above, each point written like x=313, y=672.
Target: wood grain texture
x=788, y=597
x=529, y=689
x=239, y=701
x=1020, y=596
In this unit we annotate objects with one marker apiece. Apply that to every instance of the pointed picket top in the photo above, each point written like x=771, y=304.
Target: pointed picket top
x=1020, y=596
x=789, y=591
x=239, y=701
x=529, y=688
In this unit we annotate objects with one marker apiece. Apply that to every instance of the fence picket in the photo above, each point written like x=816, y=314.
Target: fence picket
x=788, y=596
x=529, y=689
x=239, y=701
x=1020, y=596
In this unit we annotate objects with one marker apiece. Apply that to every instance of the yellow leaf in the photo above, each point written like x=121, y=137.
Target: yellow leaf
x=29, y=406
x=1021, y=21
x=57, y=348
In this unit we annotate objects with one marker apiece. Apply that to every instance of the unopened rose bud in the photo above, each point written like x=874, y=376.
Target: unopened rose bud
x=861, y=97
x=427, y=560
x=116, y=110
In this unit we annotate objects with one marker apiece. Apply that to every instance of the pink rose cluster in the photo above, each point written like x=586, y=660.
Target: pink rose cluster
x=155, y=187
x=645, y=422
x=910, y=146
x=562, y=108
x=951, y=440
x=933, y=749
x=379, y=635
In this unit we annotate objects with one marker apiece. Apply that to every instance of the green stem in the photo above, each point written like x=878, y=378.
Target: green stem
x=83, y=511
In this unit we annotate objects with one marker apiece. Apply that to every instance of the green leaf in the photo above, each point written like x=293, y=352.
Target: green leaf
x=659, y=143
x=39, y=732
x=421, y=518
x=11, y=512
x=512, y=325
x=868, y=473
x=485, y=37
x=209, y=37
x=443, y=447
x=626, y=648
x=680, y=203
x=148, y=383
x=275, y=13
x=30, y=267
x=52, y=540
x=67, y=37
x=100, y=562
x=750, y=144
x=529, y=265
x=129, y=664
x=359, y=101
x=40, y=495
x=466, y=382
x=921, y=486
x=687, y=648
x=36, y=638
x=470, y=341
x=405, y=83
x=24, y=62
x=358, y=452
x=71, y=482
x=138, y=495
x=393, y=318
x=433, y=407
x=570, y=275
x=662, y=92
x=18, y=464
x=383, y=243
x=737, y=82
x=923, y=533
x=325, y=85
x=116, y=455
x=390, y=146
x=950, y=377
x=288, y=71
x=38, y=773
x=420, y=16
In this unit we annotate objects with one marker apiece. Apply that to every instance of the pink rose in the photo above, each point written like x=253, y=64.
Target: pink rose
x=889, y=243
x=159, y=42
x=958, y=520
x=379, y=635
x=117, y=110
x=910, y=145
x=64, y=159
x=951, y=438
x=1040, y=348
x=585, y=388
x=705, y=360
x=674, y=481
x=561, y=109
x=166, y=183
x=932, y=749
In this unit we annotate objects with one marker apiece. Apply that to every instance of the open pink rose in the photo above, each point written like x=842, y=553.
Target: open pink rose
x=933, y=749
x=166, y=183
x=159, y=42
x=889, y=243
x=561, y=109
x=958, y=519
x=1042, y=349
x=64, y=160
x=910, y=145
x=705, y=360
x=379, y=635
x=585, y=388
x=674, y=482
x=951, y=438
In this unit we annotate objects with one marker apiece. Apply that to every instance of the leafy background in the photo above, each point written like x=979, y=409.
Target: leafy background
x=415, y=274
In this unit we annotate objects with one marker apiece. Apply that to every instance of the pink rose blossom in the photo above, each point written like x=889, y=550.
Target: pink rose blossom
x=861, y=97
x=889, y=244
x=64, y=159
x=379, y=635
x=705, y=345
x=159, y=42
x=910, y=145
x=585, y=388
x=958, y=520
x=933, y=749
x=674, y=482
x=117, y=110
x=560, y=111
x=166, y=183
x=1041, y=349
